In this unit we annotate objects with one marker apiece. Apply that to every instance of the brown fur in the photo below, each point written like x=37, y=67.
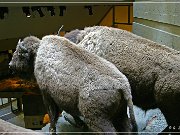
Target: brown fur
x=81, y=83
x=153, y=70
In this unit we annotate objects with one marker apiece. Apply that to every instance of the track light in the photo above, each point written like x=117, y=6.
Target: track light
x=26, y=10
x=51, y=10
x=3, y=10
x=90, y=9
x=62, y=8
x=38, y=9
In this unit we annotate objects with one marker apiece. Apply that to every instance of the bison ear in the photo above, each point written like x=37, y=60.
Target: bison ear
x=60, y=30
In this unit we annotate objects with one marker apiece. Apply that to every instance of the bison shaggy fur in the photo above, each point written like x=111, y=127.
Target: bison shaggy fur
x=79, y=82
x=152, y=69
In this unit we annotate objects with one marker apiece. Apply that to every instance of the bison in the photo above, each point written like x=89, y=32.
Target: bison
x=77, y=81
x=152, y=69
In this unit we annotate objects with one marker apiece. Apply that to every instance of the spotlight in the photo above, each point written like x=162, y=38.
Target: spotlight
x=51, y=10
x=90, y=9
x=26, y=10
x=3, y=10
x=62, y=8
x=38, y=9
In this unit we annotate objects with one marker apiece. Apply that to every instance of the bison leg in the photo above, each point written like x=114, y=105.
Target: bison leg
x=122, y=124
x=98, y=109
x=121, y=121
x=171, y=113
x=172, y=119
x=100, y=125
x=52, y=110
x=167, y=97
x=79, y=122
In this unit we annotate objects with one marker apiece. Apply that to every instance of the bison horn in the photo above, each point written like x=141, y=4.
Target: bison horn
x=23, y=48
x=19, y=41
x=60, y=30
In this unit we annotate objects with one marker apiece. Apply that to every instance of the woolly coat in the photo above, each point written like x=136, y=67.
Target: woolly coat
x=82, y=83
x=77, y=81
x=152, y=69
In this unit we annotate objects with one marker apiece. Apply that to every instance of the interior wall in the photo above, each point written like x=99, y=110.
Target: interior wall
x=16, y=25
x=108, y=19
x=120, y=16
x=158, y=22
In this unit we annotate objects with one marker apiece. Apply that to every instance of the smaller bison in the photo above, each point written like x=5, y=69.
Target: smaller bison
x=77, y=81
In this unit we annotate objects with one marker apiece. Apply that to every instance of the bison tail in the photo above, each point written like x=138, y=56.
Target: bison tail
x=132, y=116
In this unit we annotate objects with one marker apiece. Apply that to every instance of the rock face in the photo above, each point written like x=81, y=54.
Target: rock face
x=8, y=128
x=149, y=121
x=152, y=69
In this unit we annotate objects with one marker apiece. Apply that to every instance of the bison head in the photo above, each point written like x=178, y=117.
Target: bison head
x=22, y=61
x=72, y=35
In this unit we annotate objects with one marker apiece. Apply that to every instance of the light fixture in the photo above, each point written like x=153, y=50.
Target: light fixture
x=51, y=10
x=62, y=8
x=26, y=10
x=3, y=10
x=90, y=9
x=38, y=9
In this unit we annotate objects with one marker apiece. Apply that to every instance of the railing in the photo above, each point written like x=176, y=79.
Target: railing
x=4, y=101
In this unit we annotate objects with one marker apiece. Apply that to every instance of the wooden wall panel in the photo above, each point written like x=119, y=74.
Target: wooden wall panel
x=158, y=22
x=108, y=19
x=120, y=16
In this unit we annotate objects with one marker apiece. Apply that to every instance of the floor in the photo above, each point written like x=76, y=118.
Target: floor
x=7, y=115
x=149, y=122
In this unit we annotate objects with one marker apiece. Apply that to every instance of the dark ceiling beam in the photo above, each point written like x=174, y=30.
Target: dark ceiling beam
x=59, y=3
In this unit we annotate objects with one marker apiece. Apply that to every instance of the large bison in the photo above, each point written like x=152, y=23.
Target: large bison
x=152, y=69
x=77, y=81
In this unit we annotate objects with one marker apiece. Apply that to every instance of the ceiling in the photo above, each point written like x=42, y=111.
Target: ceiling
x=59, y=2
x=16, y=25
